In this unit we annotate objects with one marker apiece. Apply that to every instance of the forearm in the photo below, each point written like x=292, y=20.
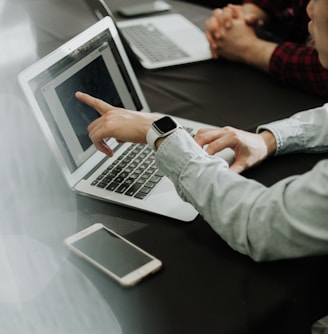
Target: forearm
x=264, y=223
x=299, y=66
x=270, y=142
x=259, y=54
x=240, y=43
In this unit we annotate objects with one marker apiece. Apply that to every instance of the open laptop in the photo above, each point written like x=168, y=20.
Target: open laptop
x=159, y=41
x=95, y=62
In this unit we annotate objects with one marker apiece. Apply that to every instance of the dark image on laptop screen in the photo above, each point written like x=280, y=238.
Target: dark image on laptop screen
x=95, y=80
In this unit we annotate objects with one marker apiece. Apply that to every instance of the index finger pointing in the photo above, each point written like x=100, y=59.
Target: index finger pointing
x=97, y=104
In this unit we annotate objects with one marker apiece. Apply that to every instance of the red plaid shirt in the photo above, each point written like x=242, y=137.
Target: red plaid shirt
x=293, y=63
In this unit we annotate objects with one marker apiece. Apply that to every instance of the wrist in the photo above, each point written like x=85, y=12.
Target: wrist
x=259, y=54
x=270, y=142
x=159, y=141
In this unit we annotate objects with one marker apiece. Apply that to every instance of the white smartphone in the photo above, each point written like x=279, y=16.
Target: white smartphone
x=150, y=7
x=117, y=257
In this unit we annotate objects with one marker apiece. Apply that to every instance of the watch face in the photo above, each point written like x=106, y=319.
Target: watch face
x=165, y=124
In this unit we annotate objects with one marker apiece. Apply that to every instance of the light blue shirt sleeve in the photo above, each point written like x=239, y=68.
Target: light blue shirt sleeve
x=289, y=219
x=306, y=131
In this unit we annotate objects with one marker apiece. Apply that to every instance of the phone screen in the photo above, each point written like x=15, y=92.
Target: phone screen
x=112, y=252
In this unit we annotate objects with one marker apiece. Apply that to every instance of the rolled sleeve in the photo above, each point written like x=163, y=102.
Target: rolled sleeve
x=288, y=134
x=264, y=223
x=305, y=131
x=175, y=154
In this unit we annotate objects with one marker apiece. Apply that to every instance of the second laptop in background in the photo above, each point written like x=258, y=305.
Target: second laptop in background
x=159, y=41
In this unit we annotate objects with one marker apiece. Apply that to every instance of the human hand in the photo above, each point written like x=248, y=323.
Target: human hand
x=250, y=148
x=254, y=15
x=241, y=44
x=121, y=124
x=221, y=19
x=238, y=42
x=217, y=30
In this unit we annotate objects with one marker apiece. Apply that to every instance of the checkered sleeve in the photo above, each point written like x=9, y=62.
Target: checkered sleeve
x=273, y=8
x=299, y=66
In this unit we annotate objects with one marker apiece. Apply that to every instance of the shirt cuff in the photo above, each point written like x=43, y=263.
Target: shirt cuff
x=288, y=134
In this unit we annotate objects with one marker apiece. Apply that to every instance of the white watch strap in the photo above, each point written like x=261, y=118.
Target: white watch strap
x=151, y=137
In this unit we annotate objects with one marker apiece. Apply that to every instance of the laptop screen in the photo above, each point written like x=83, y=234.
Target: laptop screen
x=95, y=68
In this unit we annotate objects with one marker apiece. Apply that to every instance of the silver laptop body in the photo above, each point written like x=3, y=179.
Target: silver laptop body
x=160, y=41
x=94, y=62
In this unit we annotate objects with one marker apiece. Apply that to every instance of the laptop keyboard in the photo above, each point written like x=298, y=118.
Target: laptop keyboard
x=155, y=45
x=134, y=173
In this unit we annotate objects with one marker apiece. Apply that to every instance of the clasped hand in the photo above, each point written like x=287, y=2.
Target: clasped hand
x=231, y=30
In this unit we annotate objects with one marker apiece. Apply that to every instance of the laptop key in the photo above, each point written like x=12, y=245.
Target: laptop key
x=133, y=174
x=112, y=186
x=140, y=195
x=133, y=189
x=122, y=188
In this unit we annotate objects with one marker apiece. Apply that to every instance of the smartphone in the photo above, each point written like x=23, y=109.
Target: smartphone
x=123, y=261
x=150, y=7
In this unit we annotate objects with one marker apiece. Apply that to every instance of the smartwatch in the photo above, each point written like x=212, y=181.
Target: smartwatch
x=161, y=128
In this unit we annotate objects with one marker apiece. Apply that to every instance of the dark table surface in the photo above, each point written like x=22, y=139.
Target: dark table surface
x=205, y=287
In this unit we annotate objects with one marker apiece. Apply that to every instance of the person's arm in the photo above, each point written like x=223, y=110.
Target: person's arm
x=286, y=220
x=299, y=66
x=291, y=64
x=264, y=223
x=240, y=43
x=231, y=32
x=306, y=131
